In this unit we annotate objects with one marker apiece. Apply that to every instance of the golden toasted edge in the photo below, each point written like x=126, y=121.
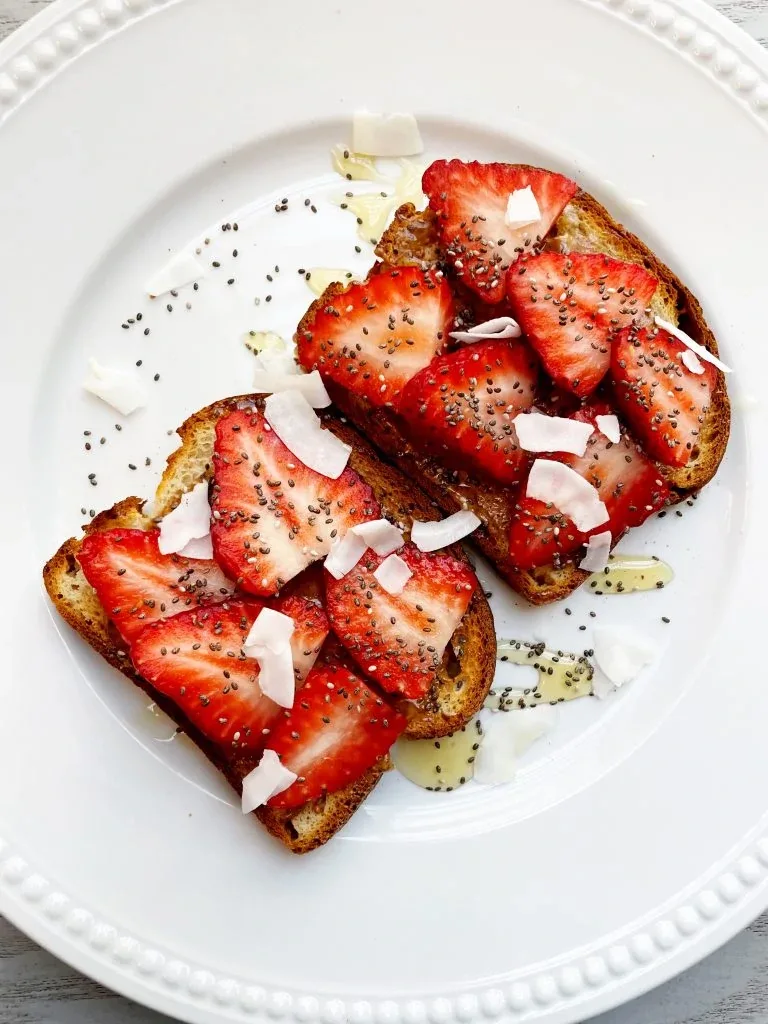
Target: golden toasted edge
x=314, y=824
x=76, y=602
x=691, y=319
x=407, y=242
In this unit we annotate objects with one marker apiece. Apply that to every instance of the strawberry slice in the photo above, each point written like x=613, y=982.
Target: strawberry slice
x=196, y=658
x=663, y=400
x=572, y=306
x=272, y=515
x=372, y=337
x=137, y=585
x=461, y=407
x=337, y=729
x=470, y=200
x=399, y=640
x=312, y=627
x=628, y=483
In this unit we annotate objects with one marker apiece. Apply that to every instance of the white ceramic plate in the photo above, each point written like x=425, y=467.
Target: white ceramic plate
x=634, y=840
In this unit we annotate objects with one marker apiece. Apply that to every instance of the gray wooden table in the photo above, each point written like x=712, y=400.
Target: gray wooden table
x=730, y=987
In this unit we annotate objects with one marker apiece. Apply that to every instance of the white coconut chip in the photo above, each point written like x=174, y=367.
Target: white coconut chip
x=537, y=433
x=267, y=779
x=498, y=329
x=387, y=135
x=270, y=629
x=691, y=362
x=345, y=554
x=522, y=209
x=381, y=535
x=609, y=427
x=561, y=486
x=694, y=346
x=393, y=574
x=507, y=735
x=598, y=551
x=621, y=654
x=432, y=536
x=189, y=521
x=269, y=643
x=199, y=547
x=122, y=389
x=310, y=385
x=182, y=268
x=295, y=423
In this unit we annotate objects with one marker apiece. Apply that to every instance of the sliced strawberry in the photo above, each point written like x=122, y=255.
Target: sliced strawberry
x=137, y=585
x=196, y=658
x=312, y=627
x=461, y=407
x=628, y=483
x=337, y=729
x=471, y=203
x=572, y=306
x=272, y=515
x=372, y=337
x=399, y=640
x=663, y=400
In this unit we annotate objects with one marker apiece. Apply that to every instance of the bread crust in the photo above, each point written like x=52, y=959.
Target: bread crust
x=463, y=680
x=584, y=226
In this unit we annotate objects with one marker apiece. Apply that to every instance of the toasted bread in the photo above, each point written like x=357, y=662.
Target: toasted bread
x=463, y=680
x=584, y=226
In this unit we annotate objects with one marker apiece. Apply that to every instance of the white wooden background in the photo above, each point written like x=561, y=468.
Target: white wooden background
x=730, y=987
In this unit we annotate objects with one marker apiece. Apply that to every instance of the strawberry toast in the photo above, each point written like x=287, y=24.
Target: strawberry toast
x=523, y=356
x=293, y=620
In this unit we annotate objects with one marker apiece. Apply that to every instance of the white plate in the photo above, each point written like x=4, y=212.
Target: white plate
x=635, y=839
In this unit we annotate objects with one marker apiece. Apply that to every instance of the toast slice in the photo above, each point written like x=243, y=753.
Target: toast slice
x=463, y=679
x=584, y=226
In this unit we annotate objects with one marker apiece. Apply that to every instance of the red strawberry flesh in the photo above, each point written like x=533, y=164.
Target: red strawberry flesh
x=372, y=337
x=627, y=481
x=137, y=585
x=338, y=728
x=399, y=640
x=663, y=400
x=470, y=200
x=461, y=407
x=196, y=659
x=273, y=516
x=571, y=307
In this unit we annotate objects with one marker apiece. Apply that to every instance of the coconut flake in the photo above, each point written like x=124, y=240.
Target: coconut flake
x=310, y=385
x=345, y=554
x=270, y=629
x=694, y=346
x=386, y=134
x=269, y=643
x=381, y=535
x=498, y=329
x=181, y=269
x=621, y=653
x=267, y=779
x=293, y=420
x=393, y=574
x=198, y=547
x=691, y=362
x=537, y=433
x=189, y=521
x=598, y=549
x=609, y=427
x=432, y=536
x=507, y=735
x=122, y=389
x=522, y=209
x=561, y=486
